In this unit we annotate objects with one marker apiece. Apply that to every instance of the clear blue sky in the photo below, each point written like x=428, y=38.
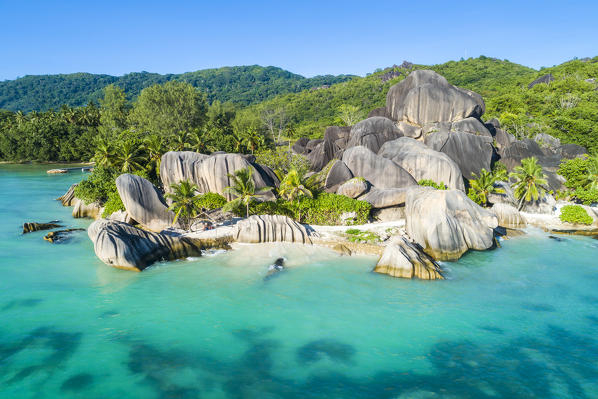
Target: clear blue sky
x=306, y=37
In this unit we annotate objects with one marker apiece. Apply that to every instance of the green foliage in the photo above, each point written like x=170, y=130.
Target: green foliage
x=483, y=185
x=98, y=186
x=293, y=187
x=530, y=181
x=185, y=204
x=500, y=172
x=356, y=235
x=575, y=171
x=433, y=184
x=113, y=204
x=575, y=214
x=586, y=196
x=211, y=201
x=242, y=85
x=243, y=189
x=283, y=159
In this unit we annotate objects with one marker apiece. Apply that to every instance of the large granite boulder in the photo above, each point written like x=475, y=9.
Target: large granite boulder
x=373, y=132
x=92, y=210
x=270, y=228
x=503, y=139
x=423, y=163
x=471, y=126
x=508, y=216
x=426, y=97
x=409, y=130
x=331, y=147
x=446, y=223
x=402, y=258
x=385, y=197
x=472, y=153
x=377, y=112
x=123, y=246
x=512, y=154
x=379, y=171
x=299, y=146
x=143, y=202
x=353, y=188
x=177, y=166
x=337, y=175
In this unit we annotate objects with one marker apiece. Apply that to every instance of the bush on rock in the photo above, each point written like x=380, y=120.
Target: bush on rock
x=575, y=214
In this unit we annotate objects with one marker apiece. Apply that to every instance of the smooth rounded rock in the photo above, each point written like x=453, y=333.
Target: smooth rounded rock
x=404, y=259
x=270, y=228
x=373, y=132
x=353, y=188
x=379, y=171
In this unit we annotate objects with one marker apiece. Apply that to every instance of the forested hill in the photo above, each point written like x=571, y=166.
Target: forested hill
x=242, y=85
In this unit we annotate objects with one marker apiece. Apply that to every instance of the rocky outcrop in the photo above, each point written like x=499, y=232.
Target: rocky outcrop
x=122, y=216
x=68, y=198
x=176, y=166
x=126, y=247
x=472, y=153
x=143, y=202
x=446, y=223
x=353, y=188
x=92, y=210
x=402, y=258
x=409, y=130
x=503, y=139
x=378, y=112
x=471, y=126
x=426, y=97
x=299, y=146
x=423, y=163
x=337, y=175
x=270, y=228
x=385, y=197
x=333, y=145
x=60, y=236
x=508, y=216
x=542, y=79
x=379, y=171
x=30, y=227
x=373, y=132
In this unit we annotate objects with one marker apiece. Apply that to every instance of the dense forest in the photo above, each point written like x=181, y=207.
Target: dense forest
x=148, y=110
x=242, y=85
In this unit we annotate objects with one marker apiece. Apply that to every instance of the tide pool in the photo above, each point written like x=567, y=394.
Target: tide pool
x=516, y=322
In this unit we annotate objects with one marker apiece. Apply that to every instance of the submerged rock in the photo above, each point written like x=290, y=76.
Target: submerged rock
x=270, y=228
x=405, y=259
x=33, y=226
x=446, y=223
x=123, y=246
x=143, y=202
x=60, y=236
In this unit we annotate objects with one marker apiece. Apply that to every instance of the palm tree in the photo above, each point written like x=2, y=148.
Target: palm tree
x=530, y=181
x=253, y=139
x=483, y=186
x=593, y=173
x=154, y=146
x=237, y=142
x=292, y=188
x=243, y=188
x=104, y=155
x=185, y=202
x=129, y=156
x=199, y=143
x=181, y=141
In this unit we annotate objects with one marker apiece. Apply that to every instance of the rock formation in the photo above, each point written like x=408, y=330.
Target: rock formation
x=379, y=171
x=68, y=198
x=446, y=223
x=337, y=175
x=508, y=216
x=92, y=210
x=423, y=163
x=373, y=132
x=176, y=166
x=143, y=202
x=30, y=227
x=405, y=259
x=126, y=247
x=270, y=228
x=353, y=188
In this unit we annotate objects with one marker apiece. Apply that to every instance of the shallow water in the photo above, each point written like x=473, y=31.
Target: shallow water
x=517, y=322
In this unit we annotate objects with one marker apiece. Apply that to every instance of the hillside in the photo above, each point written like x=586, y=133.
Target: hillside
x=243, y=85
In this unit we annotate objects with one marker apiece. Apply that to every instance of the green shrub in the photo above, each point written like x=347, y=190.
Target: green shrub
x=473, y=195
x=432, y=183
x=283, y=159
x=211, y=201
x=586, y=196
x=97, y=186
x=575, y=214
x=575, y=171
x=113, y=204
x=356, y=235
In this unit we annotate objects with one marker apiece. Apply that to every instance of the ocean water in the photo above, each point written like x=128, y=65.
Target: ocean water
x=517, y=322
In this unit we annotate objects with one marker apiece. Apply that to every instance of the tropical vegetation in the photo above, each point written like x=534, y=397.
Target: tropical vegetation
x=575, y=214
x=530, y=181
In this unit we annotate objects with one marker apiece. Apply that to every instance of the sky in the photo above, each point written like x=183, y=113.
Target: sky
x=305, y=37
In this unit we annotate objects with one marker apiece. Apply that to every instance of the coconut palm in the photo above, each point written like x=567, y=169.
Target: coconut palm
x=199, y=142
x=293, y=187
x=253, y=139
x=243, y=188
x=181, y=141
x=129, y=156
x=104, y=155
x=154, y=146
x=483, y=186
x=185, y=203
x=530, y=181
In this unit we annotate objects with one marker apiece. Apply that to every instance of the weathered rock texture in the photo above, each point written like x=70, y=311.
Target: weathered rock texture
x=143, y=202
x=353, y=188
x=373, y=132
x=385, y=197
x=425, y=97
x=126, y=247
x=270, y=228
x=82, y=210
x=337, y=175
x=508, y=216
x=33, y=226
x=405, y=259
x=446, y=223
x=379, y=171
x=177, y=166
x=423, y=163
x=68, y=198
x=472, y=153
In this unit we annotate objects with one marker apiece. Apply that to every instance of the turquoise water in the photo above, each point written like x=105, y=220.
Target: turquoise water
x=517, y=322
